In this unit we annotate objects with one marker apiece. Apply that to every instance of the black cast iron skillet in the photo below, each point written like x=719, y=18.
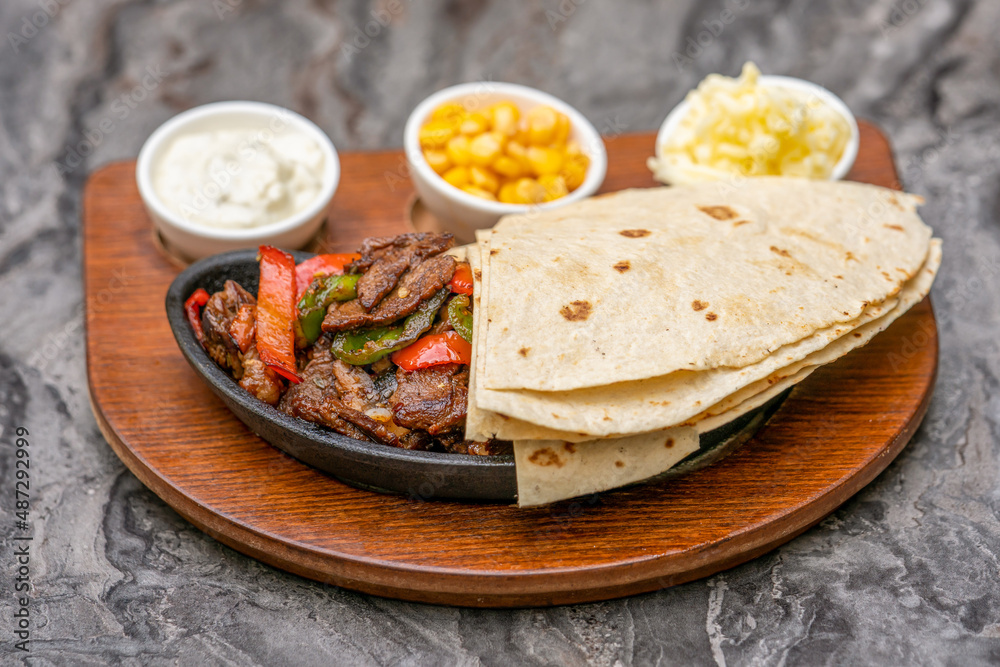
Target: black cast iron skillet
x=372, y=465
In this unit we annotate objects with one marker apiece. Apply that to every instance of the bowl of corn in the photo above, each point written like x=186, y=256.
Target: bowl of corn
x=479, y=151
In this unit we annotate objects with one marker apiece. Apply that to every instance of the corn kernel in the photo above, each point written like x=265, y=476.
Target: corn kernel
x=555, y=186
x=544, y=160
x=459, y=150
x=504, y=117
x=438, y=160
x=457, y=176
x=474, y=123
x=508, y=193
x=478, y=192
x=484, y=149
x=516, y=150
x=501, y=139
x=449, y=111
x=523, y=133
x=561, y=132
x=507, y=166
x=435, y=134
x=574, y=170
x=529, y=191
x=484, y=179
x=541, y=125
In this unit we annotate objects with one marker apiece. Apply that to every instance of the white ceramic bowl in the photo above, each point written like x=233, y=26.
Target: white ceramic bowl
x=463, y=213
x=193, y=241
x=800, y=85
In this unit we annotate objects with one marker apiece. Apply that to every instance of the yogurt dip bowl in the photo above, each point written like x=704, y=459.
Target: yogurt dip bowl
x=223, y=214
x=463, y=213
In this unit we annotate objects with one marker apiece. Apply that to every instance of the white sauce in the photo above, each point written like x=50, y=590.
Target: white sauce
x=239, y=179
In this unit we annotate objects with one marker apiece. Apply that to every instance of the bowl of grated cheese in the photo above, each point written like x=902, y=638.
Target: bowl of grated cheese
x=756, y=125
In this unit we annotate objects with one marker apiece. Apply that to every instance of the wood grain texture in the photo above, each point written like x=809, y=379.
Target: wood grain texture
x=832, y=436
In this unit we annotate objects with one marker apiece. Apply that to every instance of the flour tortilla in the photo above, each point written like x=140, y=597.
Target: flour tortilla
x=754, y=396
x=553, y=470
x=705, y=278
x=680, y=398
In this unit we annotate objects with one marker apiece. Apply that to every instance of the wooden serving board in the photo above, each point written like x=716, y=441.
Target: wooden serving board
x=836, y=432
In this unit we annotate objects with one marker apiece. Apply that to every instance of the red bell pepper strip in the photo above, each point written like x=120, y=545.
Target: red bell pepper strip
x=434, y=350
x=276, y=312
x=461, y=282
x=320, y=265
x=193, y=307
x=243, y=328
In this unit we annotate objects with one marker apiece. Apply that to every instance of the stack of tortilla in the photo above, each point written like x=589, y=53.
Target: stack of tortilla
x=611, y=332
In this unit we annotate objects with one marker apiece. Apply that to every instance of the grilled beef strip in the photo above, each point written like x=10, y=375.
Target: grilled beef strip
x=432, y=399
x=306, y=400
x=419, y=284
x=338, y=395
x=259, y=380
x=385, y=259
x=218, y=314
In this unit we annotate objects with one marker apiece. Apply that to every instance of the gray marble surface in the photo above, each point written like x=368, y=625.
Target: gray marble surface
x=907, y=572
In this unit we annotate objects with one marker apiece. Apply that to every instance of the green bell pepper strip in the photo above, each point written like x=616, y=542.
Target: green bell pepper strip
x=321, y=293
x=360, y=348
x=459, y=316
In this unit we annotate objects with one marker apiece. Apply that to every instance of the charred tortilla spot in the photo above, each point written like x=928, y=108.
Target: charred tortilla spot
x=669, y=443
x=635, y=233
x=576, y=311
x=619, y=464
x=494, y=252
x=857, y=335
x=622, y=266
x=524, y=351
x=699, y=305
x=569, y=447
x=711, y=317
x=741, y=222
x=718, y=212
x=479, y=274
x=898, y=228
x=839, y=277
x=783, y=253
x=546, y=457
x=849, y=256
